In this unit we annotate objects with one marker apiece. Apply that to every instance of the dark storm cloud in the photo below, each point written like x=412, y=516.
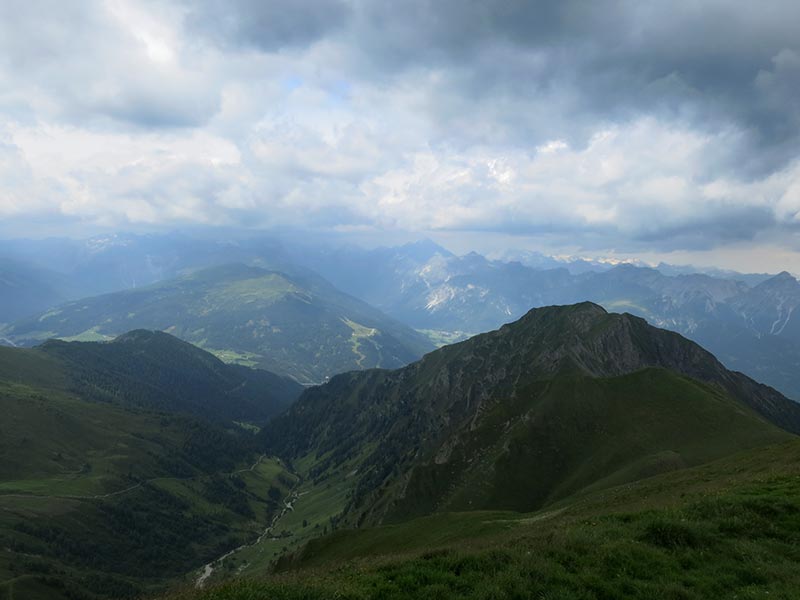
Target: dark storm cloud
x=639, y=124
x=699, y=232
x=268, y=26
x=714, y=64
x=706, y=231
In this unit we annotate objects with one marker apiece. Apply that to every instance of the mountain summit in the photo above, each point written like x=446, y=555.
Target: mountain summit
x=565, y=399
x=289, y=324
x=154, y=370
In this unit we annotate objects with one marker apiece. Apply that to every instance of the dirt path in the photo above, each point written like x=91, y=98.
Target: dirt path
x=75, y=497
x=252, y=467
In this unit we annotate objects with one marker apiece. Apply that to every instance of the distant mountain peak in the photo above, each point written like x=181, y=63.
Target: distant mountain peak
x=582, y=309
x=135, y=335
x=141, y=336
x=425, y=249
x=782, y=279
x=784, y=276
x=513, y=399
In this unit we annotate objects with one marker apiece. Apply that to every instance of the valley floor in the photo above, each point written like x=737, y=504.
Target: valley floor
x=311, y=510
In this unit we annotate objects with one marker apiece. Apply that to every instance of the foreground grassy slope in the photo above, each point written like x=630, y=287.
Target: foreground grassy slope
x=290, y=325
x=728, y=529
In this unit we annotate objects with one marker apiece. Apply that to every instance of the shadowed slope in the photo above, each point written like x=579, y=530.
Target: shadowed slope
x=561, y=400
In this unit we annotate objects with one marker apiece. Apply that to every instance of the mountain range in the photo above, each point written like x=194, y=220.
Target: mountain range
x=293, y=325
x=747, y=320
x=565, y=399
x=573, y=453
x=127, y=465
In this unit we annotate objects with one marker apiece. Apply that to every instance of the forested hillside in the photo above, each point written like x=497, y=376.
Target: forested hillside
x=126, y=465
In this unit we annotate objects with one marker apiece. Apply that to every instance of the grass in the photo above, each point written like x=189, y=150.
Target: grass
x=90, y=335
x=359, y=334
x=57, y=452
x=441, y=338
x=268, y=288
x=30, y=587
x=729, y=529
x=247, y=359
x=244, y=315
x=27, y=367
x=315, y=511
x=56, y=444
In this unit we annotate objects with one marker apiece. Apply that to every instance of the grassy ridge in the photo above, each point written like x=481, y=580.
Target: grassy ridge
x=727, y=529
x=301, y=327
x=561, y=436
x=564, y=405
x=555, y=441
x=564, y=399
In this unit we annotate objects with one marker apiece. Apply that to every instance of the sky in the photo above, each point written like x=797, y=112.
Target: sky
x=661, y=130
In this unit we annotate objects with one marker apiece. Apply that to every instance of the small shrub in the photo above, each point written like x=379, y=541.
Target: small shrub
x=672, y=535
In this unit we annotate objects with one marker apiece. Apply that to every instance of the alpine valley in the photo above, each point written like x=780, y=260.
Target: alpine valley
x=125, y=464
x=418, y=300
x=573, y=453
x=747, y=320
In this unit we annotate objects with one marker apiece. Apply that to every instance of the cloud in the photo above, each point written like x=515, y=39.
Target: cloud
x=268, y=26
x=101, y=64
x=539, y=68
x=641, y=125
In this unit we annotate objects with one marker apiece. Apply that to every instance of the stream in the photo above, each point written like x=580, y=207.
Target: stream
x=208, y=568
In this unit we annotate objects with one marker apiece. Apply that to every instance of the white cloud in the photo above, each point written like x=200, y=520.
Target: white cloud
x=121, y=113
